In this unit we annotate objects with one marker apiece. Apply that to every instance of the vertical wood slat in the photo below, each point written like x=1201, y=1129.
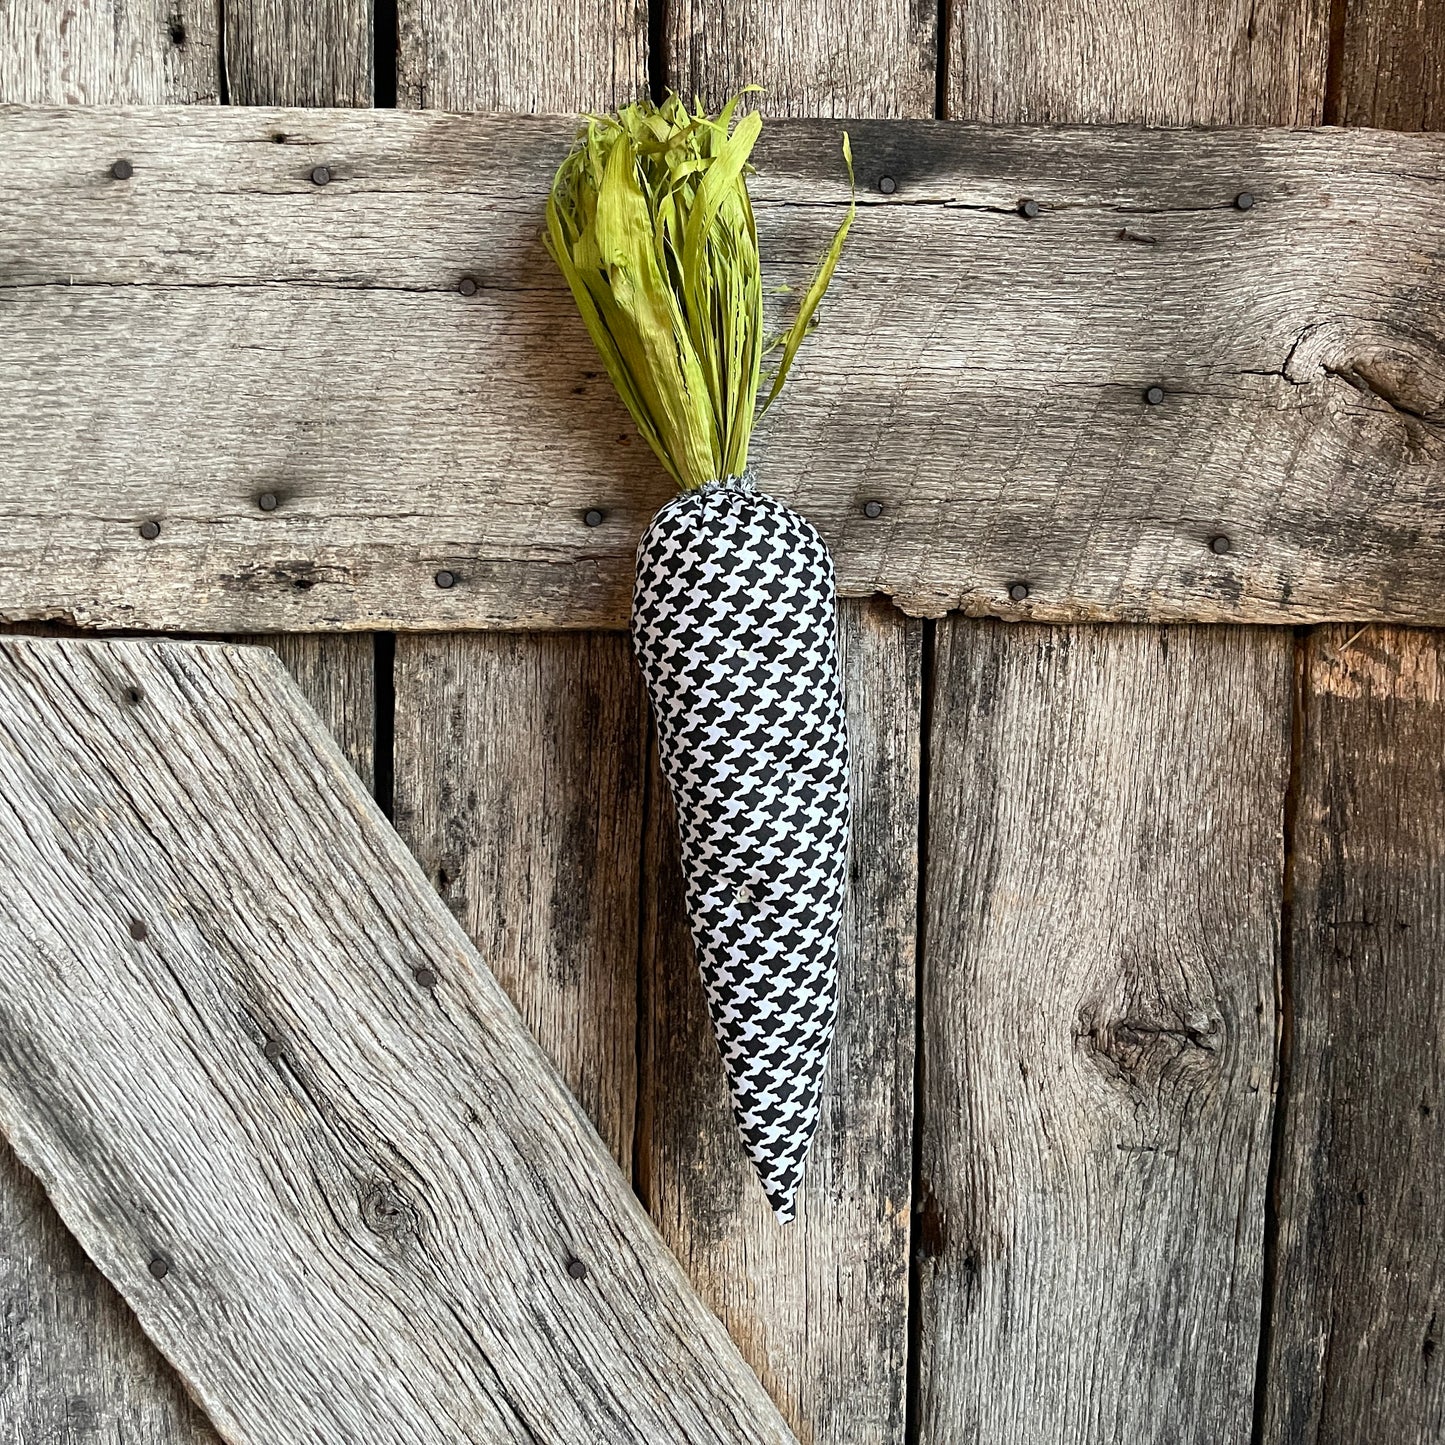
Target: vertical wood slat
x=1067, y=61
x=1391, y=65
x=519, y=788
x=1358, y=1297
x=1359, y=1305
x=1104, y=870
x=819, y=1307
x=125, y=52
x=519, y=778
x=1116, y=62
x=298, y=52
x=564, y=55
x=855, y=58
x=74, y=1364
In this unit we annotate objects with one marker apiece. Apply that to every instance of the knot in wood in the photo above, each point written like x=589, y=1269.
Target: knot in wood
x=387, y=1212
x=1144, y=1050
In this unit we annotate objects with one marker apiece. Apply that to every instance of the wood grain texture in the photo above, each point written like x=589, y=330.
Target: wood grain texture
x=75, y=1368
x=108, y=52
x=565, y=55
x=298, y=52
x=995, y=406
x=519, y=782
x=1359, y=1301
x=1104, y=873
x=337, y=676
x=366, y=1230
x=1391, y=65
x=1115, y=62
x=872, y=58
x=820, y=1308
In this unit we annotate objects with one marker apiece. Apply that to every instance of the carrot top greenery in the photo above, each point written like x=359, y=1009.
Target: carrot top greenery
x=650, y=222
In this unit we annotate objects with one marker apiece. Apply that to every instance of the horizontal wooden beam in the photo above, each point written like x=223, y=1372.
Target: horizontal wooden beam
x=281, y=1102
x=219, y=328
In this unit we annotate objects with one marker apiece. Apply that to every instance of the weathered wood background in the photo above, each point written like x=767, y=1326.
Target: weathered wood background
x=1134, y=1128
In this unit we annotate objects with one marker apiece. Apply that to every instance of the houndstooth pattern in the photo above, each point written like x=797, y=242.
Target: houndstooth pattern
x=733, y=620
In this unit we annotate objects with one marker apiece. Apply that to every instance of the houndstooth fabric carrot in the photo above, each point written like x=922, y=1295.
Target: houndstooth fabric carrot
x=734, y=614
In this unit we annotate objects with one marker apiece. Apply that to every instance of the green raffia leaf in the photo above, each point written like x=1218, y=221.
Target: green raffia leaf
x=650, y=223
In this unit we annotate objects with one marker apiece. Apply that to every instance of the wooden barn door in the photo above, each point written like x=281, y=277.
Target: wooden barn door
x=1133, y=1126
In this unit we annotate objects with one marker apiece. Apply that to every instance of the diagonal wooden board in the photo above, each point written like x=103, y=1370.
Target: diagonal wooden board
x=219, y=327
x=276, y=1095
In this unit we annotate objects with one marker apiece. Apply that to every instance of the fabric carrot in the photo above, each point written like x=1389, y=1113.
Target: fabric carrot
x=734, y=613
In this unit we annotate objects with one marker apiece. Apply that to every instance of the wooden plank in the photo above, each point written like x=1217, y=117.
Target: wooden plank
x=519, y=780
x=996, y=410
x=298, y=52
x=1357, y=1308
x=874, y=58
x=369, y=1230
x=820, y=1308
x=337, y=676
x=1391, y=66
x=519, y=776
x=566, y=55
x=123, y=52
x=1111, y=62
x=1104, y=872
x=74, y=1365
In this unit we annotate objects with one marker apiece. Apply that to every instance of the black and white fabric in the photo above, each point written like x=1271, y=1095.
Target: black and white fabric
x=734, y=622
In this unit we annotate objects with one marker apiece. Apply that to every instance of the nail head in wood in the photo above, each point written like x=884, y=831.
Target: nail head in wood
x=1019, y=591
x=872, y=510
x=272, y=1049
x=320, y=175
x=159, y=1266
x=887, y=185
x=1220, y=544
x=1029, y=209
x=594, y=518
x=268, y=501
x=1154, y=396
x=1244, y=201
x=425, y=977
x=467, y=285
x=445, y=579
x=150, y=530
x=122, y=170
x=576, y=1269
x=138, y=930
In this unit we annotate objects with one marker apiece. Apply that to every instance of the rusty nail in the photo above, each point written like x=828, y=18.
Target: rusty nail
x=320, y=175
x=268, y=501
x=467, y=285
x=576, y=1269
x=1244, y=201
x=445, y=579
x=1154, y=396
x=594, y=518
x=887, y=185
x=1018, y=591
x=150, y=530
x=272, y=1049
x=1029, y=209
x=159, y=1266
x=425, y=977
x=138, y=930
x=872, y=510
x=122, y=170
x=1220, y=544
